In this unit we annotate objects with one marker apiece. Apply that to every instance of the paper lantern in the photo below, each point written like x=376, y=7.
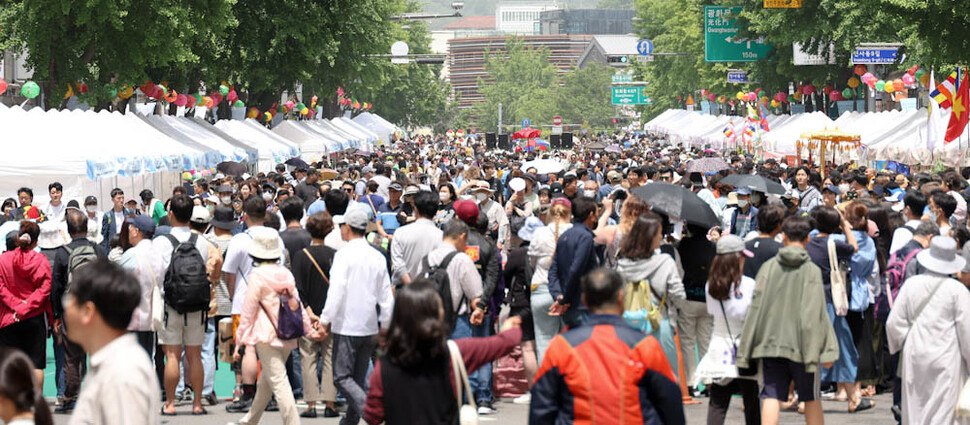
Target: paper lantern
x=908, y=80
x=889, y=87
x=181, y=100
x=752, y=96
x=210, y=102
x=290, y=104
x=898, y=85
x=763, y=100
x=304, y=111
x=83, y=88
x=111, y=92
x=223, y=89
x=780, y=96
x=741, y=96
x=300, y=106
x=853, y=82
x=798, y=96
x=848, y=93
x=912, y=70
x=239, y=104
x=775, y=103
x=172, y=96
x=919, y=74
x=30, y=90
x=3, y=86
x=808, y=89
x=866, y=77
x=827, y=89
x=252, y=113
x=834, y=95
x=711, y=97
x=126, y=92
x=721, y=99
x=859, y=70
x=267, y=117
x=703, y=92
x=69, y=92
x=201, y=100
x=232, y=96
x=880, y=85
x=925, y=79
x=791, y=98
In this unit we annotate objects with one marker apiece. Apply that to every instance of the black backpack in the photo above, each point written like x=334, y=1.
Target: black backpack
x=186, y=280
x=439, y=276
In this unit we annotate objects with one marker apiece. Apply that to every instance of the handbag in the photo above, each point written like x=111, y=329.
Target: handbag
x=290, y=318
x=639, y=310
x=742, y=371
x=840, y=299
x=322, y=274
x=467, y=413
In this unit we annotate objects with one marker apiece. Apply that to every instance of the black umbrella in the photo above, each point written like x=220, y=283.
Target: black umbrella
x=755, y=182
x=231, y=168
x=677, y=201
x=707, y=165
x=297, y=162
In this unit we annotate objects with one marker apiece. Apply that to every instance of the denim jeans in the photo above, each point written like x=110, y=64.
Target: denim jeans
x=59, y=368
x=481, y=379
x=546, y=326
x=208, y=361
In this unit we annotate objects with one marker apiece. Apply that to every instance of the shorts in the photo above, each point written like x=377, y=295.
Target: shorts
x=29, y=336
x=182, y=329
x=779, y=373
x=528, y=325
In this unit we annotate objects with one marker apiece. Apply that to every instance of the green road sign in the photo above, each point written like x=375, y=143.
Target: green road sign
x=721, y=40
x=630, y=95
x=622, y=78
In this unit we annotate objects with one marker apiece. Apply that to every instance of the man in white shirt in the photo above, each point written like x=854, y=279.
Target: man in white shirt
x=114, y=218
x=181, y=329
x=914, y=202
x=142, y=261
x=414, y=241
x=382, y=179
x=120, y=387
x=358, y=283
x=55, y=209
x=498, y=220
x=235, y=270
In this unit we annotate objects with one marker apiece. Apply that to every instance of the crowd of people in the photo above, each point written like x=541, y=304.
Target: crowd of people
x=343, y=283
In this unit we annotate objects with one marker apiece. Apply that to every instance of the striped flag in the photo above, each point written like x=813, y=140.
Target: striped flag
x=943, y=94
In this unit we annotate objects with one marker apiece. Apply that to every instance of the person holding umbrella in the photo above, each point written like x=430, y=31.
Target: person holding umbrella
x=745, y=218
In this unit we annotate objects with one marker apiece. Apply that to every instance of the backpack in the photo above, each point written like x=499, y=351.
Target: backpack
x=186, y=281
x=78, y=257
x=639, y=311
x=895, y=274
x=442, y=283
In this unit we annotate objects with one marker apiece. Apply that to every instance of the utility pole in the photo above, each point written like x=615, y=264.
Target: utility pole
x=499, y=119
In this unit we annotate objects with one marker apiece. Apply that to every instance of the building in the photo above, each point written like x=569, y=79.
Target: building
x=586, y=21
x=469, y=26
x=613, y=50
x=521, y=18
x=466, y=59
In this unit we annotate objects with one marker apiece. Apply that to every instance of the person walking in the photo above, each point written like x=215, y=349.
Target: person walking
x=414, y=241
x=694, y=322
x=541, y=251
x=604, y=371
x=790, y=347
x=413, y=382
x=729, y=295
x=311, y=269
x=142, y=261
x=573, y=258
x=114, y=218
x=25, y=276
x=269, y=285
x=121, y=387
x=359, y=303
x=929, y=320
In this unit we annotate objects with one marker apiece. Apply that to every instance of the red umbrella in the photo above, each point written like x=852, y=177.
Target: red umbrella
x=526, y=133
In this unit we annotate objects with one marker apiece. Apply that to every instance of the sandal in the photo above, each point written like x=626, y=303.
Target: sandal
x=164, y=413
x=864, y=404
x=200, y=412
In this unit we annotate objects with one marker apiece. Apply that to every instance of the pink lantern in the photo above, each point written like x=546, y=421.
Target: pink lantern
x=711, y=97
x=752, y=96
x=703, y=92
x=3, y=86
x=290, y=104
x=781, y=97
x=232, y=96
x=908, y=79
x=181, y=100
x=868, y=76
x=808, y=89
x=834, y=95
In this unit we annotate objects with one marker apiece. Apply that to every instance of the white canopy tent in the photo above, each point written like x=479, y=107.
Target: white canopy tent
x=367, y=137
x=314, y=146
x=379, y=126
x=272, y=148
x=344, y=139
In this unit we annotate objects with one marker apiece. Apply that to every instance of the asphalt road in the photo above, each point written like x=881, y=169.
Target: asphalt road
x=511, y=414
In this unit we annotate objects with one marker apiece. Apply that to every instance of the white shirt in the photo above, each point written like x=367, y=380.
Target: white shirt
x=55, y=213
x=120, y=387
x=239, y=263
x=411, y=244
x=334, y=239
x=164, y=247
x=358, y=282
x=902, y=236
x=145, y=264
x=94, y=227
x=119, y=220
x=383, y=185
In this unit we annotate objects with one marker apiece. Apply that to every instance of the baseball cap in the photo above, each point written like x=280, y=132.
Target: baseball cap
x=831, y=188
x=354, y=217
x=614, y=176
x=90, y=200
x=142, y=222
x=224, y=189
x=395, y=186
x=411, y=190
x=730, y=244
x=743, y=190
x=466, y=211
x=219, y=176
x=200, y=215
x=561, y=201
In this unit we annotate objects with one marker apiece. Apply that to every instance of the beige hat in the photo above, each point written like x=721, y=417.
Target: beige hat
x=265, y=244
x=480, y=185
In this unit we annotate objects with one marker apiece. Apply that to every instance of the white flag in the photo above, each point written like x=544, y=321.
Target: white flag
x=937, y=121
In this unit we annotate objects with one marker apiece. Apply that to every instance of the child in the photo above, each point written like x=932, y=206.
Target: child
x=788, y=328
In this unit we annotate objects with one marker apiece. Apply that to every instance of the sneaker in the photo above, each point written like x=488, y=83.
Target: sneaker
x=241, y=406
x=66, y=407
x=236, y=393
x=210, y=399
x=523, y=399
x=309, y=413
x=272, y=406
x=485, y=408
x=330, y=413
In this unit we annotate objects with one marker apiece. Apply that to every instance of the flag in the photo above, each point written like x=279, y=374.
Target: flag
x=960, y=114
x=943, y=94
x=934, y=124
x=729, y=134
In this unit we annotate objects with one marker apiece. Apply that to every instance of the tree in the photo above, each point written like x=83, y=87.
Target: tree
x=615, y=4
x=584, y=98
x=105, y=43
x=521, y=79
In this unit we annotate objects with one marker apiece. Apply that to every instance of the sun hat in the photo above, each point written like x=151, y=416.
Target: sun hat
x=223, y=218
x=480, y=185
x=942, y=256
x=529, y=228
x=730, y=244
x=265, y=244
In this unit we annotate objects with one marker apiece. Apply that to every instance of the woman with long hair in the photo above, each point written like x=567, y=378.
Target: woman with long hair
x=21, y=399
x=446, y=197
x=413, y=382
x=639, y=260
x=808, y=195
x=728, y=298
x=541, y=250
x=612, y=236
x=25, y=288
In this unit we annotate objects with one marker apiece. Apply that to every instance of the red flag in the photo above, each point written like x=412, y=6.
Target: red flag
x=960, y=114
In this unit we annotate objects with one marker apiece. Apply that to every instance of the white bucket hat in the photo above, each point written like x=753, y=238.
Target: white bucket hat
x=265, y=244
x=942, y=256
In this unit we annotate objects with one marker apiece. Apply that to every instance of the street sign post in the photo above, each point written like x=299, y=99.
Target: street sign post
x=738, y=77
x=645, y=47
x=526, y=123
x=557, y=120
x=644, y=58
x=721, y=40
x=875, y=55
x=783, y=4
x=630, y=95
x=622, y=78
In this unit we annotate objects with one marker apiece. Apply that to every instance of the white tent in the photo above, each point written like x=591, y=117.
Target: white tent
x=313, y=146
x=272, y=148
x=343, y=139
x=372, y=137
x=368, y=137
x=379, y=126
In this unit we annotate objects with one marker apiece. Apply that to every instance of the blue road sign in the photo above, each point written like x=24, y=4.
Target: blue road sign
x=877, y=55
x=526, y=122
x=645, y=47
x=737, y=77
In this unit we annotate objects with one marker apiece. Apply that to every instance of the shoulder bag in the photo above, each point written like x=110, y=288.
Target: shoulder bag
x=312, y=260
x=840, y=299
x=467, y=413
x=751, y=370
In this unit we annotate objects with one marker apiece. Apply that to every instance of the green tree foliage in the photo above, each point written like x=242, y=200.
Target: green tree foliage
x=584, y=96
x=521, y=79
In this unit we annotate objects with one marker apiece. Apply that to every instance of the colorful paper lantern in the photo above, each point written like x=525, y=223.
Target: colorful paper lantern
x=267, y=116
x=3, y=86
x=827, y=89
x=834, y=95
x=912, y=70
x=172, y=96
x=880, y=85
x=908, y=79
x=305, y=111
x=30, y=90
x=210, y=102
x=126, y=92
x=919, y=74
x=252, y=113
x=741, y=96
x=69, y=92
x=239, y=104
x=232, y=96
x=853, y=82
x=775, y=103
x=808, y=89
x=925, y=79
x=791, y=98
x=859, y=70
x=898, y=85
x=711, y=97
x=289, y=105
x=848, y=93
x=181, y=100
x=764, y=100
x=889, y=87
x=223, y=89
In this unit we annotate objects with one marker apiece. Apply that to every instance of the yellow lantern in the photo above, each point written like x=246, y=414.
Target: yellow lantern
x=854, y=82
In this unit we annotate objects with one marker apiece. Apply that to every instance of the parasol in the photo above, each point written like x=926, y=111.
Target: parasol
x=677, y=201
x=755, y=182
x=707, y=165
x=543, y=166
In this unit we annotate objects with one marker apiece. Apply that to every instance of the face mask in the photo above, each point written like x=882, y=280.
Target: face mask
x=932, y=216
x=225, y=199
x=444, y=197
x=589, y=193
x=92, y=208
x=480, y=197
x=742, y=203
x=843, y=188
x=755, y=198
x=267, y=196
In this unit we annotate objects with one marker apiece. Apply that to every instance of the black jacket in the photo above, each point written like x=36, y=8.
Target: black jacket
x=59, y=271
x=487, y=262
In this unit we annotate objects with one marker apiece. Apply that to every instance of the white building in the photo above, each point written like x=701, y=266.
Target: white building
x=522, y=18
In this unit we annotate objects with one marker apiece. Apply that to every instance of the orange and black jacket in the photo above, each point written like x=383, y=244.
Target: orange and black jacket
x=605, y=372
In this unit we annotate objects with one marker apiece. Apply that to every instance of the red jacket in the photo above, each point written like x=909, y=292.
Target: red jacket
x=605, y=372
x=25, y=286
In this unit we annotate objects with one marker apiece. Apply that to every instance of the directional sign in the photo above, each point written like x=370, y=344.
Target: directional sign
x=875, y=55
x=630, y=95
x=644, y=58
x=526, y=122
x=721, y=40
x=622, y=78
x=738, y=77
x=645, y=47
x=783, y=4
